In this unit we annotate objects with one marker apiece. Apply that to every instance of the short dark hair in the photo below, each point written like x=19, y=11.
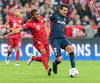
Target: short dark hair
x=33, y=11
x=63, y=5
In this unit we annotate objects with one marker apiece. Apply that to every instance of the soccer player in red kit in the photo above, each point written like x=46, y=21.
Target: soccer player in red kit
x=40, y=41
x=14, y=22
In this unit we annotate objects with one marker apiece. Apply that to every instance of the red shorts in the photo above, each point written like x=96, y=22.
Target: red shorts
x=15, y=42
x=39, y=45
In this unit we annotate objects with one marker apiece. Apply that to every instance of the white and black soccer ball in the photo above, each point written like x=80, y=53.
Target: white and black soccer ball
x=73, y=72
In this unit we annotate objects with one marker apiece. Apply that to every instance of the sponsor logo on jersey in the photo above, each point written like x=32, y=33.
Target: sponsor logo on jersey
x=61, y=22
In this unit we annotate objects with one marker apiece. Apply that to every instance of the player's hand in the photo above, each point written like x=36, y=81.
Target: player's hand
x=46, y=20
x=3, y=37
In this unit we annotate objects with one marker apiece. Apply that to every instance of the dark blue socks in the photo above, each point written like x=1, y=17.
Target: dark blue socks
x=72, y=59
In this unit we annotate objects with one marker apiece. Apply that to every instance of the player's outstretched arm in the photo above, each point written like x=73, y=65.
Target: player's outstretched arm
x=13, y=33
x=7, y=26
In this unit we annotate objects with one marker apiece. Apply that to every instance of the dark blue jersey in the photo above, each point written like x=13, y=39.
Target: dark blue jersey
x=58, y=25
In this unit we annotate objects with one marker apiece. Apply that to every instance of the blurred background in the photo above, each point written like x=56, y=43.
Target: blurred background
x=83, y=16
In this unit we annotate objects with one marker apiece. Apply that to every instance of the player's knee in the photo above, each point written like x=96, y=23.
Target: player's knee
x=48, y=59
x=43, y=51
x=59, y=59
x=11, y=49
x=17, y=48
x=69, y=49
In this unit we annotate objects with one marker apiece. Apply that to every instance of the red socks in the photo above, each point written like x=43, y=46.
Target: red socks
x=9, y=52
x=17, y=55
x=36, y=58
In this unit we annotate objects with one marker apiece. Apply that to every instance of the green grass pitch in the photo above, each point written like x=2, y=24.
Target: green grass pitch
x=89, y=72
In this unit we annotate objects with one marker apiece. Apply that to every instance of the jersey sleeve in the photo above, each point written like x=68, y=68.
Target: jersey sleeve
x=42, y=19
x=22, y=21
x=52, y=16
x=26, y=26
x=9, y=20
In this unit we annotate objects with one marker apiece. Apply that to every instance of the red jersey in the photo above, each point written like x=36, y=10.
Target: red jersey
x=15, y=23
x=37, y=29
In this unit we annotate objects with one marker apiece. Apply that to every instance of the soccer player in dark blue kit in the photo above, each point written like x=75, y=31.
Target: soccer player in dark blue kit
x=58, y=38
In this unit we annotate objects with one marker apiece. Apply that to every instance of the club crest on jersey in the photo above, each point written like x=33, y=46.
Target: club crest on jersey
x=38, y=27
x=13, y=20
x=20, y=21
x=42, y=21
x=34, y=24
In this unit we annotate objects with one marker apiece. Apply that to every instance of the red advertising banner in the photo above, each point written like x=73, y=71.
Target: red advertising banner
x=76, y=31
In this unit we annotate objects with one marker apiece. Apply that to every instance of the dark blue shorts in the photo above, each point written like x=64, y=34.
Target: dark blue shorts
x=57, y=44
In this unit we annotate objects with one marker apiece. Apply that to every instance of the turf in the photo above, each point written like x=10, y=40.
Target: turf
x=89, y=72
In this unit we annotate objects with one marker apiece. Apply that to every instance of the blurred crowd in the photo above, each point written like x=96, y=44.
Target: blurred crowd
x=81, y=12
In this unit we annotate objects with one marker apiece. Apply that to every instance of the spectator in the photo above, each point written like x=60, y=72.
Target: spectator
x=71, y=5
x=98, y=31
x=5, y=2
x=92, y=8
x=19, y=6
x=51, y=9
x=5, y=19
x=42, y=9
x=23, y=2
x=32, y=7
x=11, y=5
x=2, y=29
x=71, y=23
x=26, y=6
x=1, y=13
x=97, y=15
x=24, y=14
x=78, y=23
x=90, y=33
x=1, y=4
x=65, y=1
x=72, y=17
x=84, y=10
x=47, y=11
x=85, y=21
x=74, y=11
x=77, y=17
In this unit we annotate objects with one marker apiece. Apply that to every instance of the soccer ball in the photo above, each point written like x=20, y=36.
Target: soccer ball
x=73, y=72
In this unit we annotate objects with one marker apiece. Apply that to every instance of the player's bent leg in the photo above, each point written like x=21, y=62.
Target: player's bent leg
x=32, y=57
x=69, y=49
x=7, y=58
x=57, y=61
